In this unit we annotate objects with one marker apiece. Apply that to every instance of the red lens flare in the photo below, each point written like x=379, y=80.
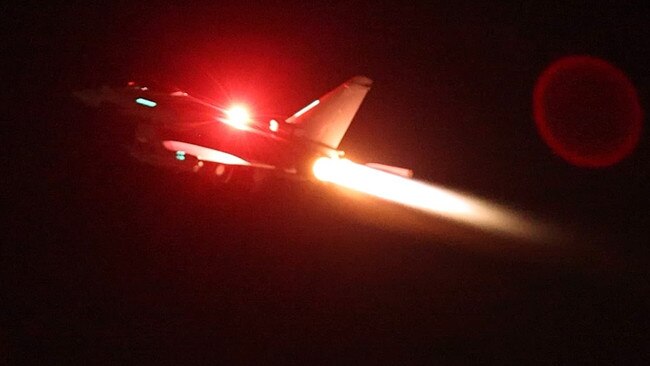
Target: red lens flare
x=587, y=111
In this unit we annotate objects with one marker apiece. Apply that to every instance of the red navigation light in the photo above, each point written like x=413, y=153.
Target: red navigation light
x=237, y=116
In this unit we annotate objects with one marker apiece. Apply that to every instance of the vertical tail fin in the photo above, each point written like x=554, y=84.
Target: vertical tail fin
x=326, y=119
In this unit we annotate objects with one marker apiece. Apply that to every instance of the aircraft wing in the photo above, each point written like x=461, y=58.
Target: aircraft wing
x=207, y=154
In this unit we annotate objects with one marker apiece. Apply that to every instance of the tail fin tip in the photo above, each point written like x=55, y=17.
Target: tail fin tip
x=361, y=81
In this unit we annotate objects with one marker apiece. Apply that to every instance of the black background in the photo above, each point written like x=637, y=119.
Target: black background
x=107, y=261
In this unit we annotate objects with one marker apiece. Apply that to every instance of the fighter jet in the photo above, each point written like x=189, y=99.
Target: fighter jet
x=177, y=130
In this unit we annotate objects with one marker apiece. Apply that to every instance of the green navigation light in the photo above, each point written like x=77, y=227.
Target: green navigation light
x=146, y=102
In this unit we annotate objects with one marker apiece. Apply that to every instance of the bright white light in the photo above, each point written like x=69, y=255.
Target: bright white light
x=420, y=195
x=308, y=107
x=274, y=125
x=237, y=117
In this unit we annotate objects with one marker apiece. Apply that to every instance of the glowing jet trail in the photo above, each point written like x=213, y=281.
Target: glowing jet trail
x=423, y=196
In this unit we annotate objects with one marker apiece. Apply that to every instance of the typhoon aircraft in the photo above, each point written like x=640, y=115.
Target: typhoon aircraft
x=177, y=130
x=227, y=145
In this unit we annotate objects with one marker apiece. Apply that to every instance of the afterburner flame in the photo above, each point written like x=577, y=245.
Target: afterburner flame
x=420, y=195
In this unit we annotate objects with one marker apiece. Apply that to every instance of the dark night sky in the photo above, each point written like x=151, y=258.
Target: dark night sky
x=107, y=260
